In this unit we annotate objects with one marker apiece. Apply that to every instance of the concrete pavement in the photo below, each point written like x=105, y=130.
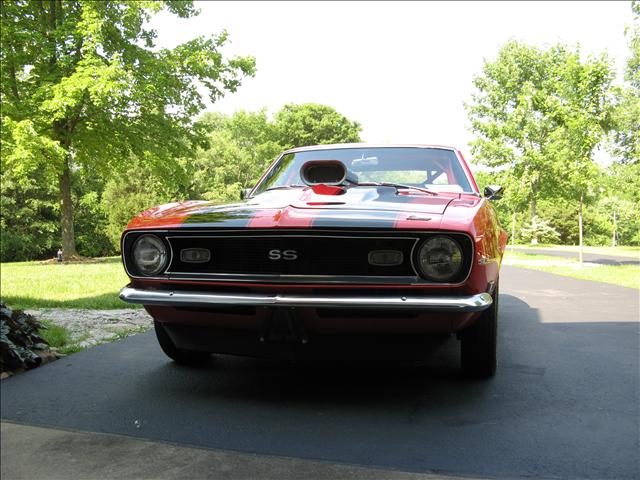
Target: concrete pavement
x=30, y=453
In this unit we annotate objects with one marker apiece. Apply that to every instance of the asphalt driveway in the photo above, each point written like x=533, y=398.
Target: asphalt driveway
x=598, y=258
x=565, y=401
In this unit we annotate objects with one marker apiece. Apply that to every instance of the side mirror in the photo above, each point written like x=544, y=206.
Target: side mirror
x=493, y=192
x=244, y=193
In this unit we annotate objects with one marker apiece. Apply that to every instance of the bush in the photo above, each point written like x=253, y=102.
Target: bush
x=540, y=229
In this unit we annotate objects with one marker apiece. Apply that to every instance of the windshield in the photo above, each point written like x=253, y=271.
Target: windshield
x=433, y=168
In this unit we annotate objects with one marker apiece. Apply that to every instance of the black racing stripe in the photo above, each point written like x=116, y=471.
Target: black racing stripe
x=354, y=219
x=236, y=218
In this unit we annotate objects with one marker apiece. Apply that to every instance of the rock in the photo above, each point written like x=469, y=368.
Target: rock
x=91, y=327
x=47, y=357
x=18, y=339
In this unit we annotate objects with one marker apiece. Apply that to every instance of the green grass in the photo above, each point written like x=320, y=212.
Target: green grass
x=624, y=275
x=96, y=285
x=82, y=285
x=55, y=335
x=59, y=338
x=631, y=252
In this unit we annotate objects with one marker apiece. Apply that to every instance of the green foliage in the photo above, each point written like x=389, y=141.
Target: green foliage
x=627, y=115
x=538, y=115
x=621, y=186
x=91, y=221
x=504, y=207
x=313, y=124
x=83, y=87
x=236, y=150
x=130, y=192
x=539, y=229
x=615, y=189
x=28, y=216
x=632, y=73
x=241, y=146
x=562, y=216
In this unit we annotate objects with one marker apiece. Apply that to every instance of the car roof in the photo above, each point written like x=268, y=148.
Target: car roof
x=364, y=145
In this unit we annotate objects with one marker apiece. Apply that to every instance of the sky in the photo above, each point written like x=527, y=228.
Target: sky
x=401, y=69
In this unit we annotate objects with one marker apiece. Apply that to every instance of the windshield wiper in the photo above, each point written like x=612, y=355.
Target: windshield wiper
x=281, y=187
x=397, y=186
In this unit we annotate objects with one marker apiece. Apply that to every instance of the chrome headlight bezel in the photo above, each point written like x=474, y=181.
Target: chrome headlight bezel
x=154, y=266
x=446, y=247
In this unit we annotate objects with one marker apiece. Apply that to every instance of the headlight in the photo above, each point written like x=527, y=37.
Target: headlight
x=149, y=255
x=440, y=258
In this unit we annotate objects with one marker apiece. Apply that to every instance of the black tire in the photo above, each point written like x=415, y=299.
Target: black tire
x=179, y=355
x=478, y=343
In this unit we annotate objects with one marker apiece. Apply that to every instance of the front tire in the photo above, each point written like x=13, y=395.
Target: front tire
x=478, y=345
x=191, y=358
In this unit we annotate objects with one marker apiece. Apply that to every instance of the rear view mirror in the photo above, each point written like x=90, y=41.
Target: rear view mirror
x=493, y=192
x=244, y=193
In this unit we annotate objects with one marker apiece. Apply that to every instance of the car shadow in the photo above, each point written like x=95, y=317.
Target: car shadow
x=436, y=377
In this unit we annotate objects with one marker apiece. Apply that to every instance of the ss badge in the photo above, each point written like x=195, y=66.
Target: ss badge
x=283, y=255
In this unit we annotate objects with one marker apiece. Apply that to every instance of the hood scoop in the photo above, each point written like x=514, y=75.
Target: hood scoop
x=326, y=173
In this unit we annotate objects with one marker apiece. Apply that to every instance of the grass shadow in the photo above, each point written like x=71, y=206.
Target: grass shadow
x=105, y=301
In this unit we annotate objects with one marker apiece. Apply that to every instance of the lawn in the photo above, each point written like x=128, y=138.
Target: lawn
x=96, y=285
x=624, y=275
x=50, y=285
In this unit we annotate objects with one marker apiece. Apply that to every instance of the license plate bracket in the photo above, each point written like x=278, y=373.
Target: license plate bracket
x=283, y=324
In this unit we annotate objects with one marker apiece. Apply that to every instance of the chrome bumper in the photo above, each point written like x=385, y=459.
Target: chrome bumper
x=473, y=303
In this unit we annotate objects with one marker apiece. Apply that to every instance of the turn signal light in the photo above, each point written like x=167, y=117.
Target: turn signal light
x=385, y=258
x=195, y=255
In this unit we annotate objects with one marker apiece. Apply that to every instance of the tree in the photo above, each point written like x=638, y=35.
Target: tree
x=124, y=196
x=622, y=187
x=28, y=216
x=313, y=124
x=538, y=115
x=513, y=202
x=627, y=133
x=241, y=146
x=83, y=85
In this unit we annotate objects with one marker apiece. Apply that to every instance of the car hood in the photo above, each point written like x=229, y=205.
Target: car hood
x=320, y=206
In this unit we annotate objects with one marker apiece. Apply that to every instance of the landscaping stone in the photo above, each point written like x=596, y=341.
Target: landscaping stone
x=21, y=346
x=92, y=327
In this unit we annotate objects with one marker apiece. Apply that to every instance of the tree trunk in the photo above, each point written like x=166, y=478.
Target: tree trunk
x=66, y=213
x=534, y=215
x=613, y=236
x=580, y=227
x=513, y=229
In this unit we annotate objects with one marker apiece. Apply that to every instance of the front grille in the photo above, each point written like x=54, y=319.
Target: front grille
x=314, y=255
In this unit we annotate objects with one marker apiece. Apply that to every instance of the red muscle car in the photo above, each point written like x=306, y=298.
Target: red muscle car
x=338, y=249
